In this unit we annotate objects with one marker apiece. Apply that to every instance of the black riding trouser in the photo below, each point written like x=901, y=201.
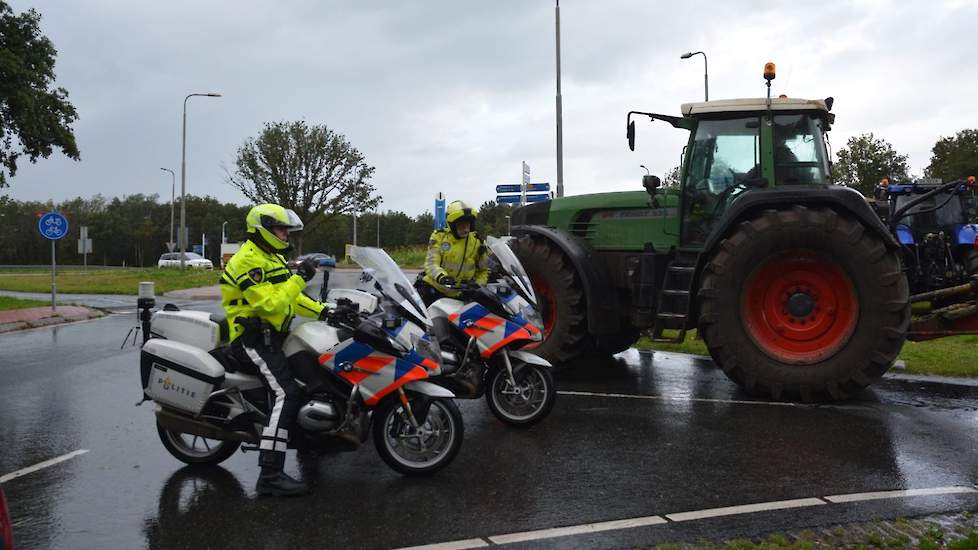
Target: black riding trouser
x=273, y=370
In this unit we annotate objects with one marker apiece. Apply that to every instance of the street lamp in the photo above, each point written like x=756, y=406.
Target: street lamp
x=706, y=77
x=183, y=182
x=224, y=238
x=173, y=187
x=509, y=226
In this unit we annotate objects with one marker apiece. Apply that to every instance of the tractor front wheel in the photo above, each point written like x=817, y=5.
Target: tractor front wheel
x=559, y=296
x=803, y=304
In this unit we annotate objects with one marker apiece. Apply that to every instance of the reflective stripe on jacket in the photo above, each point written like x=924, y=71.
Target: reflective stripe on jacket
x=257, y=283
x=464, y=260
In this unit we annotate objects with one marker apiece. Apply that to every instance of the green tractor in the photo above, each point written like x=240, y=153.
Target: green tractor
x=793, y=283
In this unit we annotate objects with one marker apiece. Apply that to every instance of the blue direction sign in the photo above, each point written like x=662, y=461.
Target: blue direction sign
x=508, y=199
x=538, y=198
x=439, y=213
x=52, y=226
x=514, y=188
x=535, y=187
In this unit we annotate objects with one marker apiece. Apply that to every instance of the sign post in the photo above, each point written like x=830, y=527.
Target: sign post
x=84, y=245
x=52, y=227
x=440, y=211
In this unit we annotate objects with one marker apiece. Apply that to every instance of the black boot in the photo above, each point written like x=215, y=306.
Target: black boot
x=273, y=480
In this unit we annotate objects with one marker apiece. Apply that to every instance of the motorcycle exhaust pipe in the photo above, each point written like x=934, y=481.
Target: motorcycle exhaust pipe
x=177, y=422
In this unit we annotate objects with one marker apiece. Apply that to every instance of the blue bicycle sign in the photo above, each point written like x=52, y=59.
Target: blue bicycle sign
x=53, y=226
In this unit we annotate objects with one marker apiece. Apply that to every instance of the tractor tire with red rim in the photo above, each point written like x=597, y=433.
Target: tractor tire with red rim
x=803, y=304
x=559, y=296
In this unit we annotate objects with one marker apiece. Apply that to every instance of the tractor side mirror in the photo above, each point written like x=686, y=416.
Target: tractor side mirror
x=651, y=184
x=630, y=134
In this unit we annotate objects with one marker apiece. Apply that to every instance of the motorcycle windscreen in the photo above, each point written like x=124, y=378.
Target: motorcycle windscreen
x=512, y=266
x=393, y=283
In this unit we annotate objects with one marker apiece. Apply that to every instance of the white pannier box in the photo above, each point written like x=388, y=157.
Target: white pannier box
x=193, y=328
x=179, y=375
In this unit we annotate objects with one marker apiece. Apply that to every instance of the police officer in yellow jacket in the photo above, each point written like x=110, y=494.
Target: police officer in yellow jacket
x=455, y=255
x=261, y=296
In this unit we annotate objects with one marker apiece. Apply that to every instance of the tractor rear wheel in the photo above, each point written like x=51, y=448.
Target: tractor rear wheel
x=803, y=304
x=559, y=296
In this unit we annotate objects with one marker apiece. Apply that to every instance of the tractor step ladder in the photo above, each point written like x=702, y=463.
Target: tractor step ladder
x=672, y=312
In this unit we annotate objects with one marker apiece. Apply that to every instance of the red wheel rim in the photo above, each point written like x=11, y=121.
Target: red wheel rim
x=547, y=306
x=800, y=308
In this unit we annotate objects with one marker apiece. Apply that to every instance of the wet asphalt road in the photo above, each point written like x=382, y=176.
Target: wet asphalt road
x=635, y=436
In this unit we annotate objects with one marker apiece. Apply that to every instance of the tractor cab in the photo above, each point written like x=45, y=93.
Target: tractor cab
x=736, y=145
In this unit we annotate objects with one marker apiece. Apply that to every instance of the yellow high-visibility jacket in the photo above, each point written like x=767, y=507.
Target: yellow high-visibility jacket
x=464, y=260
x=257, y=283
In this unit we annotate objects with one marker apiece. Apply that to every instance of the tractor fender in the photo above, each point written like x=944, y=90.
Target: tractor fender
x=967, y=234
x=600, y=295
x=841, y=199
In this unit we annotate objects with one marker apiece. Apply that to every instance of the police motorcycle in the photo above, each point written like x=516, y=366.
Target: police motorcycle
x=361, y=375
x=481, y=334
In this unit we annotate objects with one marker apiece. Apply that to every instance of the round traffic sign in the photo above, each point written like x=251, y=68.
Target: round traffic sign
x=52, y=226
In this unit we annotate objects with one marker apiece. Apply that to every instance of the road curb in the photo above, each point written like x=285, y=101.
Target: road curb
x=51, y=320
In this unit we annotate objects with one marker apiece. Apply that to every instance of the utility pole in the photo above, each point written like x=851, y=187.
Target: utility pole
x=560, y=116
x=183, y=237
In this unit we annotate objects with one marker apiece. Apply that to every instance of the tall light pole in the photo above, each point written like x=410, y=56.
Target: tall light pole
x=706, y=72
x=224, y=238
x=560, y=116
x=173, y=192
x=182, y=237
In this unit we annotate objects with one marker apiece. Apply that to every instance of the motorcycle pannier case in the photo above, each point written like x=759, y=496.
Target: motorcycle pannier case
x=196, y=328
x=178, y=375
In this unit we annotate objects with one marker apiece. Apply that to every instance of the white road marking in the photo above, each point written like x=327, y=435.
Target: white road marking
x=746, y=509
x=684, y=399
x=645, y=521
x=456, y=545
x=577, y=530
x=857, y=497
x=41, y=465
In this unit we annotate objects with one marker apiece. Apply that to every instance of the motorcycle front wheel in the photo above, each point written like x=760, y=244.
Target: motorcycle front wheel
x=423, y=450
x=526, y=403
x=194, y=449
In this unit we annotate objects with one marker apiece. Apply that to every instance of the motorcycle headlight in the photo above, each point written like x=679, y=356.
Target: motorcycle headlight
x=427, y=347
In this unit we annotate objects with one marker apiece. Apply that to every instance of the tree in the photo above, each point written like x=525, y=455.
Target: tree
x=673, y=177
x=34, y=118
x=955, y=157
x=865, y=160
x=492, y=218
x=311, y=169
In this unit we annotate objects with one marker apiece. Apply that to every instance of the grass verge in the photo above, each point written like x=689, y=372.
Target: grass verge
x=106, y=281
x=953, y=356
x=7, y=303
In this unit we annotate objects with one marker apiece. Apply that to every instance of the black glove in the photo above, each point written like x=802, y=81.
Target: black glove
x=445, y=280
x=307, y=269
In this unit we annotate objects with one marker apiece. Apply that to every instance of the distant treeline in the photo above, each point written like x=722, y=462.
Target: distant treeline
x=133, y=230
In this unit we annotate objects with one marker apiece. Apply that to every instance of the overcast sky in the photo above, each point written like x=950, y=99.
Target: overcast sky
x=452, y=95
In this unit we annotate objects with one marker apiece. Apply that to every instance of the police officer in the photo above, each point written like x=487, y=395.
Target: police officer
x=455, y=255
x=261, y=297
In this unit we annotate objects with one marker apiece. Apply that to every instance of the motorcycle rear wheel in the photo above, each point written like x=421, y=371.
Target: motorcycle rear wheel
x=525, y=404
x=425, y=450
x=194, y=449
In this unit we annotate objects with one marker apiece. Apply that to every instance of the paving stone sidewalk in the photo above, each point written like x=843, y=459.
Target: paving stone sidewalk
x=32, y=317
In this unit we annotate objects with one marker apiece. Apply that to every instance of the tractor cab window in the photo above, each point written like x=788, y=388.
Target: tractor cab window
x=723, y=154
x=799, y=152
